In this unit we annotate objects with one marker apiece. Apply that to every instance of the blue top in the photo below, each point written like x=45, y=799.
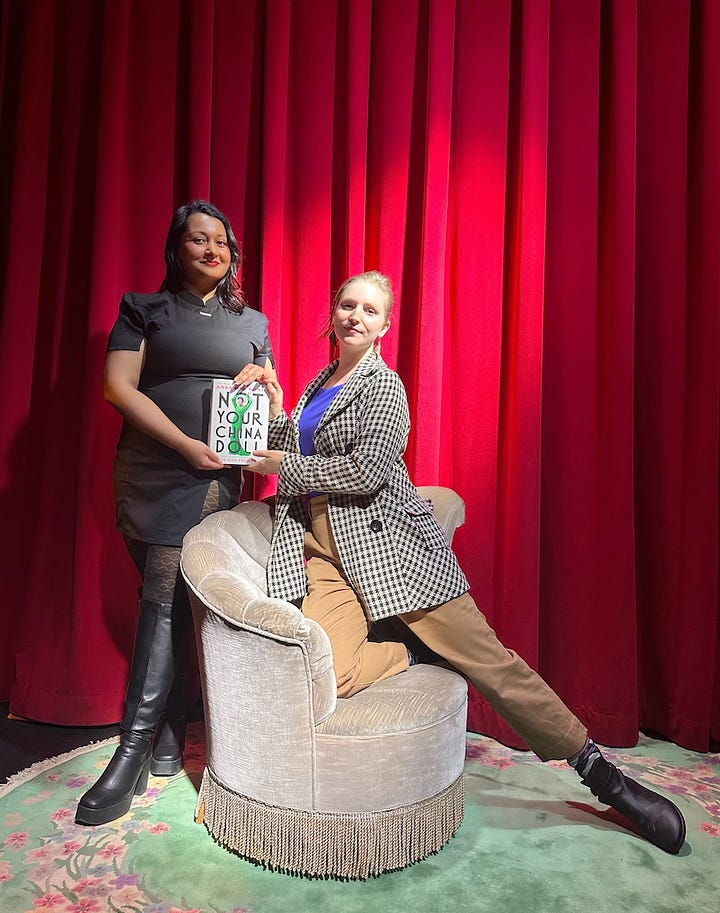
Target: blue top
x=311, y=415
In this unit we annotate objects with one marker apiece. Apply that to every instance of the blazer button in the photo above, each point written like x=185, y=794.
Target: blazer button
x=376, y=526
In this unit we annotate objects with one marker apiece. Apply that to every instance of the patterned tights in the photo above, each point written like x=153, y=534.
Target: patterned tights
x=159, y=565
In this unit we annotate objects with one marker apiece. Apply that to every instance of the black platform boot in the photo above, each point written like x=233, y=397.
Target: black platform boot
x=169, y=741
x=151, y=676
x=654, y=816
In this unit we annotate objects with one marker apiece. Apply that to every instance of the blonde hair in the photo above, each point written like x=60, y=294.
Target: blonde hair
x=374, y=277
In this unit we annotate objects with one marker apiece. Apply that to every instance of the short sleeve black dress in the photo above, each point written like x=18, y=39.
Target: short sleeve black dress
x=158, y=495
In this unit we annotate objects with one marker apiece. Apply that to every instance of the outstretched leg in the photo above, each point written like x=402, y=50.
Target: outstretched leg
x=459, y=633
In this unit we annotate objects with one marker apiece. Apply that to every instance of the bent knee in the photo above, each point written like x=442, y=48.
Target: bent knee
x=347, y=681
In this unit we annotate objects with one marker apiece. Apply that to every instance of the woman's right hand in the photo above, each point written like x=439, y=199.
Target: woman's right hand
x=121, y=378
x=199, y=455
x=275, y=395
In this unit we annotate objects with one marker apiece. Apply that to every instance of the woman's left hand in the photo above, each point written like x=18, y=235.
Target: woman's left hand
x=268, y=462
x=252, y=373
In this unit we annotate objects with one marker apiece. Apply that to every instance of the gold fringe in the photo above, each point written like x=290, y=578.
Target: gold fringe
x=321, y=844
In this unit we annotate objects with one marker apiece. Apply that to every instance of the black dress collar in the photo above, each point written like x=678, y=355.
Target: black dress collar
x=193, y=299
x=205, y=308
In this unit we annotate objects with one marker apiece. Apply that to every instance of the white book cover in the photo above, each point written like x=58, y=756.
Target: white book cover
x=238, y=421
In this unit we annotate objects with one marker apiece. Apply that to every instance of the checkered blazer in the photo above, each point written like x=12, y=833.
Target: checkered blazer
x=393, y=553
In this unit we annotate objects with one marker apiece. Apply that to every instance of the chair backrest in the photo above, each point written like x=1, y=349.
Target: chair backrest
x=267, y=671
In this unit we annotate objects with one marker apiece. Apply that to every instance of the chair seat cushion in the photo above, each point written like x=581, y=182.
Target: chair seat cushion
x=398, y=742
x=423, y=696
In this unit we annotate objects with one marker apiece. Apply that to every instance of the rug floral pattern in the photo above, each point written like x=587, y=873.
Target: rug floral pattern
x=698, y=782
x=61, y=867
x=75, y=869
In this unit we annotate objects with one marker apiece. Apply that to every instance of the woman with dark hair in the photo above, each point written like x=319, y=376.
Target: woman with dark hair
x=162, y=354
x=227, y=290
x=354, y=541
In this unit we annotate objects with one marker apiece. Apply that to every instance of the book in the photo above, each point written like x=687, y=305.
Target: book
x=238, y=421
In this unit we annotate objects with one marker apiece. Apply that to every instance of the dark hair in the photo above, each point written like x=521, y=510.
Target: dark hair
x=228, y=292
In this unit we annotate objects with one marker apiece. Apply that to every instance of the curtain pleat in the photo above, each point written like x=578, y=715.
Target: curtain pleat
x=539, y=179
x=587, y=512
x=676, y=350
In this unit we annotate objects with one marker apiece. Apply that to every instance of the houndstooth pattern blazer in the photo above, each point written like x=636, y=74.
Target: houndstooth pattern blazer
x=393, y=553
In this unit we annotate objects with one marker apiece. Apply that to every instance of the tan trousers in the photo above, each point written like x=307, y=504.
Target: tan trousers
x=456, y=630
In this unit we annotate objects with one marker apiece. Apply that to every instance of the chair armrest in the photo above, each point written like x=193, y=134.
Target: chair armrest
x=448, y=508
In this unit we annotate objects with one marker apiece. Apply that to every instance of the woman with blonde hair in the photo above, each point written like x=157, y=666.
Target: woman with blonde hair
x=354, y=541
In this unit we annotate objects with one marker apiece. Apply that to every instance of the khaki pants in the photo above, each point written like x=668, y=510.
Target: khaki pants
x=456, y=630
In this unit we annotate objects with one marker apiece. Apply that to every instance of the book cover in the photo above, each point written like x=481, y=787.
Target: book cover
x=238, y=421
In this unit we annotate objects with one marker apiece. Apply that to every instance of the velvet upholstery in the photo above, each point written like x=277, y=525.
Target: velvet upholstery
x=283, y=752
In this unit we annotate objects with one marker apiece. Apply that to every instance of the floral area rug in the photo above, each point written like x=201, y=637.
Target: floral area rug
x=533, y=839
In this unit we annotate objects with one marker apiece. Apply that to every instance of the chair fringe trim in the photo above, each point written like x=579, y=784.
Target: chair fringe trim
x=349, y=845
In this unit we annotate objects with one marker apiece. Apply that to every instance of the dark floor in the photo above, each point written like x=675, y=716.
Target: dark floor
x=22, y=742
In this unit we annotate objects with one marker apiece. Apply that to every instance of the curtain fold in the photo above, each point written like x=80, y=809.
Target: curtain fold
x=587, y=563
x=676, y=364
x=540, y=180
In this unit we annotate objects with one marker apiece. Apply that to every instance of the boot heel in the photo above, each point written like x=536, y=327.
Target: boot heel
x=168, y=745
x=166, y=767
x=126, y=775
x=142, y=782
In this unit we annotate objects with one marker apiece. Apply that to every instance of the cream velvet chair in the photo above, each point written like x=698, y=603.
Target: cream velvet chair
x=296, y=778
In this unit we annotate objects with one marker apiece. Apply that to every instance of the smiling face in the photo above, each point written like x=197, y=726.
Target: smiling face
x=361, y=315
x=203, y=253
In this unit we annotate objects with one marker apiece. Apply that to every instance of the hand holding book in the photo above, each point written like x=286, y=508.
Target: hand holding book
x=238, y=421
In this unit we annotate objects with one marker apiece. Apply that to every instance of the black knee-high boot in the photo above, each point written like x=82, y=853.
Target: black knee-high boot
x=151, y=677
x=169, y=739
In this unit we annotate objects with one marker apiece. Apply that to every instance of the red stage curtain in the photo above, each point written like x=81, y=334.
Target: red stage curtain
x=540, y=180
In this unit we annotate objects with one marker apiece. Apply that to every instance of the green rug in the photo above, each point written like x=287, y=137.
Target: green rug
x=533, y=840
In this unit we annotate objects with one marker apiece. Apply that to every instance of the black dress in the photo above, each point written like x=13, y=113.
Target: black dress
x=158, y=495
